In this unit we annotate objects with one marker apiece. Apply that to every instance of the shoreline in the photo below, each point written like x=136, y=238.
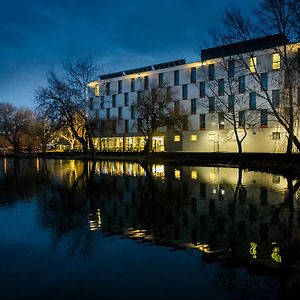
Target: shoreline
x=266, y=162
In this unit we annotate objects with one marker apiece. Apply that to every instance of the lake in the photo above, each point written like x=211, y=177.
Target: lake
x=119, y=230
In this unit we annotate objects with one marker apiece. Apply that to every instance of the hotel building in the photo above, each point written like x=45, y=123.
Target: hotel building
x=225, y=74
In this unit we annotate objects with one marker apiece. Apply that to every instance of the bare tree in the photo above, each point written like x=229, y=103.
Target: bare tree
x=155, y=110
x=64, y=100
x=230, y=108
x=271, y=16
x=14, y=123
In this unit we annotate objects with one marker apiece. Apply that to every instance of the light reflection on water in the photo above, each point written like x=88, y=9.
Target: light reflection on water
x=111, y=221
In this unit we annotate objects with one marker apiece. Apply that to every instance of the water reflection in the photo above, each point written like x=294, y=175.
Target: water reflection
x=237, y=218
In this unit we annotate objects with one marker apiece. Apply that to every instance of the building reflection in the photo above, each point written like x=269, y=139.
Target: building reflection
x=227, y=215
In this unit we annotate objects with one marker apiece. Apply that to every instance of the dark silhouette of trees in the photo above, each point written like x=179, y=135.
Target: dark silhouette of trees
x=14, y=123
x=64, y=100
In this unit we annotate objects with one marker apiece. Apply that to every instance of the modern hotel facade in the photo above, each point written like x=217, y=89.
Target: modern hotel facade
x=223, y=75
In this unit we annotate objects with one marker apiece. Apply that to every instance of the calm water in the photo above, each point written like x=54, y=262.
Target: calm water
x=113, y=230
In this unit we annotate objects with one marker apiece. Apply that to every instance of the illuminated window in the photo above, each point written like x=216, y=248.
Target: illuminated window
x=252, y=64
x=177, y=174
x=194, y=175
x=276, y=61
x=193, y=138
x=97, y=90
x=177, y=138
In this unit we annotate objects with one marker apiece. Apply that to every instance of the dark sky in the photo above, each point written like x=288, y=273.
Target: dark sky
x=118, y=34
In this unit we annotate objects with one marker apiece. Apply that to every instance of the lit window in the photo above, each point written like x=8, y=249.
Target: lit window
x=276, y=61
x=193, y=138
x=252, y=64
x=177, y=138
x=194, y=175
x=177, y=174
x=97, y=90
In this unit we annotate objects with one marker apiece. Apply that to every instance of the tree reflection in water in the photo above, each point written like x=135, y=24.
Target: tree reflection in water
x=239, y=219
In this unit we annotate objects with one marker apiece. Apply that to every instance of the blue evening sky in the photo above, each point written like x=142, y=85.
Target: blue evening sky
x=118, y=34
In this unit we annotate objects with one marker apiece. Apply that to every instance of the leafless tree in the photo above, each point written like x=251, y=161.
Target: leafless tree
x=271, y=16
x=64, y=100
x=14, y=123
x=231, y=108
x=155, y=109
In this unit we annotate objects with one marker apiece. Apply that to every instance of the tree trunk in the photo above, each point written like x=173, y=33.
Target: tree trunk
x=148, y=145
x=16, y=147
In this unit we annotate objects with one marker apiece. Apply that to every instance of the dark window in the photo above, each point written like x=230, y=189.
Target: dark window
x=242, y=118
x=139, y=97
x=202, y=89
x=102, y=102
x=264, y=81
x=193, y=75
x=252, y=100
x=185, y=123
x=120, y=113
x=91, y=103
x=146, y=82
x=263, y=196
x=242, y=86
x=169, y=93
x=126, y=99
x=202, y=191
x=126, y=126
x=275, y=98
x=264, y=118
x=113, y=100
x=139, y=125
x=211, y=104
x=176, y=106
x=160, y=79
x=132, y=112
x=202, y=121
x=108, y=113
x=132, y=84
x=176, y=77
x=193, y=106
x=231, y=68
x=230, y=102
x=120, y=86
x=211, y=72
x=221, y=121
x=184, y=92
x=221, y=87
x=108, y=88
x=114, y=126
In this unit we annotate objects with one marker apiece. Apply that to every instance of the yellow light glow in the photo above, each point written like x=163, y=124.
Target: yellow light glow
x=276, y=255
x=252, y=64
x=177, y=174
x=253, y=251
x=193, y=138
x=97, y=90
x=276, y=61
x=194, y=175
x=176, y=138
x=4, y=165
x=37, y=165
x=158, y=171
